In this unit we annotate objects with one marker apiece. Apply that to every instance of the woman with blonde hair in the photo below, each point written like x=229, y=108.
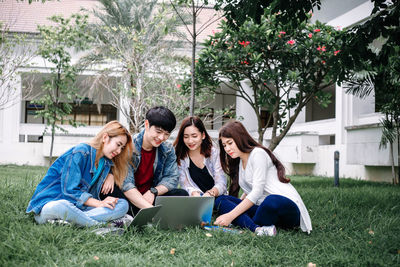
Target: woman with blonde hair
x=69, y=192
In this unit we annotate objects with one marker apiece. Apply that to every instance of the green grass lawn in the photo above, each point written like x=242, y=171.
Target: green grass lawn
x=357, y=224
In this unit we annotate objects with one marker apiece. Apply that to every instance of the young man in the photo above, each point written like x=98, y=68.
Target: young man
x=155, y=171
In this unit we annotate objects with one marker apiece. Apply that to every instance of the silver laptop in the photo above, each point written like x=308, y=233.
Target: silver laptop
x=145, y=216
x=178, y=212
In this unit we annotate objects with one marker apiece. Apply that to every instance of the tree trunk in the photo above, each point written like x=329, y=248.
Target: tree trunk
x=260, y=136
x=391, y=158
x=398, y=154
x=191, y=108
x=53, y=126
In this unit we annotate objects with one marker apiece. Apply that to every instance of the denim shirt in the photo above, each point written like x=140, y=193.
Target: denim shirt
x=69, y=178
x=165, y=168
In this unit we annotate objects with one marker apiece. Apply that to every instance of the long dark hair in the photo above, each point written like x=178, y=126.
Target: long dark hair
x=181, y=149
x=246, y=144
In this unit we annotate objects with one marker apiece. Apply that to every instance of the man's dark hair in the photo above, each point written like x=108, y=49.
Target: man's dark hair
x=161, y=117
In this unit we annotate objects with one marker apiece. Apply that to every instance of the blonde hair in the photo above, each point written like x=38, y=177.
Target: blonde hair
x=121, y=161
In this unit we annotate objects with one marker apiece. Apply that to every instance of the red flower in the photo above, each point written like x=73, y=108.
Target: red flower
x=336, y=52
x=282, y=32
x=178, y=85
x=323, y=61
x=291, y=42
x=317, y=30
x=243, y=43
x=321, y=49
x=244, y=62
x=310, y=35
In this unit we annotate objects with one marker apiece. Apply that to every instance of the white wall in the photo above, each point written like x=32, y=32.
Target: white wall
x=245, y=111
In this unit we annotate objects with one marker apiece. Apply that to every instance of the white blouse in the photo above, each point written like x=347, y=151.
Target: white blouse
x=260, y=179
x=214, y=168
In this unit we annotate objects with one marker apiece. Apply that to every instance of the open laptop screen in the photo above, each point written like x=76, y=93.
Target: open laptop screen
x=178, y=212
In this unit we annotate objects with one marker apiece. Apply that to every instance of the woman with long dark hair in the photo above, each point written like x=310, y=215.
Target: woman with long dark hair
x=268, y=199
x=198, y=160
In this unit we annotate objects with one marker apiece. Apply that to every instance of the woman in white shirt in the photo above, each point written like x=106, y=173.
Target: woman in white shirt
x=268, y=198
x=200, y=172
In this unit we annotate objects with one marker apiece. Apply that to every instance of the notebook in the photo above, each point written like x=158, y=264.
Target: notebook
x=145, y=216
x=178, y=212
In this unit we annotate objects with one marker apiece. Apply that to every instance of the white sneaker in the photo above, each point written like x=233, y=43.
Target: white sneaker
x=266, y=230
x=122, y=222
x=58, y=221
x=108, y=230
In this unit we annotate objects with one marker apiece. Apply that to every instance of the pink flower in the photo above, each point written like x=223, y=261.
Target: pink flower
x=310, y=35
x=321, y=49
x=178, y=85
x=244, y=62
x=291, y=42
x=336, y=52
x=282, y=32
x=317, y=30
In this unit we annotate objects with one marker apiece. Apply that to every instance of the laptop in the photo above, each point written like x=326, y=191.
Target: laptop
x=178, y=212
x=145, y=216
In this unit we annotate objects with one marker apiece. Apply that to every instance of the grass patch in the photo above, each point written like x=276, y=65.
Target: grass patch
x=357, y=224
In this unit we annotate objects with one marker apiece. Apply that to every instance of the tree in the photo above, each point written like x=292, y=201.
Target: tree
x=238, y=12
x=135, y=39
x=193, y=9
x=59, y=91
x=15, y=52
x=286, y=67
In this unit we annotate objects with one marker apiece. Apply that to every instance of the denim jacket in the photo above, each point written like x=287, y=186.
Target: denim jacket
x=165, y=167
x=69, y=178
x=213, y=166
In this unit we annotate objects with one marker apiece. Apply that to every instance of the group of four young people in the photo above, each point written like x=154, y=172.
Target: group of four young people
x=114, y=174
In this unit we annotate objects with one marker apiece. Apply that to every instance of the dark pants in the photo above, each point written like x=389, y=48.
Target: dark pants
x=132, y=208
x=274, y=210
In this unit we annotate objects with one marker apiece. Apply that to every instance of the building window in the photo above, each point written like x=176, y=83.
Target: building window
x=84, y=112
x=315, y=112
x=31, y=112
x=89, y=114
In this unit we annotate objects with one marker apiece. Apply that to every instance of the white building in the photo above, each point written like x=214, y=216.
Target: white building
x=349, y=125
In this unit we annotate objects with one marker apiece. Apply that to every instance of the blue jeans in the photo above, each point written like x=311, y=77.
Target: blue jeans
x=88, y=216
x=274, y=210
